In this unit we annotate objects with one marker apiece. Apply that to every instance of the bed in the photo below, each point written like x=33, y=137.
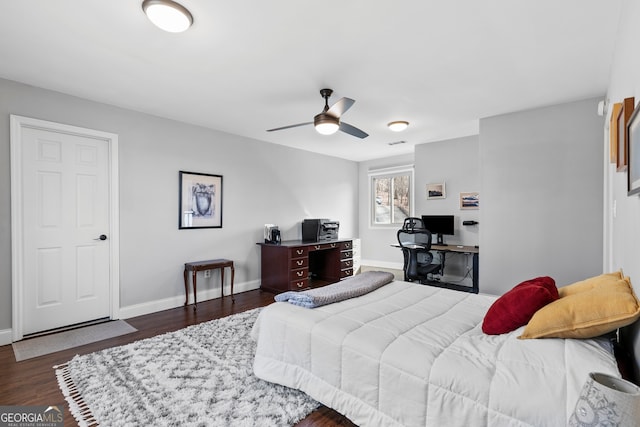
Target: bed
x=414, y=355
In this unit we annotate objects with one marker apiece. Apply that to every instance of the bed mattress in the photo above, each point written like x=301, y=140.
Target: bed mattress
x=414, y=355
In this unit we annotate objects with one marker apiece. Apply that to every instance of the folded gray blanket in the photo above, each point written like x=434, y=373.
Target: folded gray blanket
x=349, y=288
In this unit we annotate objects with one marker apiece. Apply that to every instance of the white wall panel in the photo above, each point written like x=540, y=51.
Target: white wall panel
x=49, y=277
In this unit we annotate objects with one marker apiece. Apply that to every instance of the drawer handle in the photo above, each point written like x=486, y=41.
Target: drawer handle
x=333, y=245
x=300, y=262
x=300, y=284
x=299, y=251
x=300, y=273
x=317, y=247
x=348, y=263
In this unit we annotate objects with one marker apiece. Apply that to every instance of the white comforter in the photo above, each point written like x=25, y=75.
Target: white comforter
x=415, y=355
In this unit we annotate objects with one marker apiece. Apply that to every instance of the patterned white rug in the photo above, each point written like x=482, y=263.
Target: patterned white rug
x=198, y=376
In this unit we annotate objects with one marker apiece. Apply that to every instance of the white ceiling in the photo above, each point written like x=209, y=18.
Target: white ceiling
x=247, y=66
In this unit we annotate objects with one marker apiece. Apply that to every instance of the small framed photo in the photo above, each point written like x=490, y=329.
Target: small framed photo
x=200, y=200
x=613, y=132
x=624, y=116
x=436, y=191
x=470, y=200
x=633, y=173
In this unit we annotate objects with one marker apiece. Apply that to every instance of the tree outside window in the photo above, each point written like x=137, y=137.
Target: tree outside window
x=391, y=196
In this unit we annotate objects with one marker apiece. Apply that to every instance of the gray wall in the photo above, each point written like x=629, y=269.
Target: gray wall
x=539, y=174
x=454, y=162
x=622, y=213
x=263, y=183
x=541, y=214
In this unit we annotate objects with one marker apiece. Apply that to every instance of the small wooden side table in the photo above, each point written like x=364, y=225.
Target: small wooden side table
x=212, y=264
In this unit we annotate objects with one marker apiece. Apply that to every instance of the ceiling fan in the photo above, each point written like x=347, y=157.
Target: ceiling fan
x=328, y=121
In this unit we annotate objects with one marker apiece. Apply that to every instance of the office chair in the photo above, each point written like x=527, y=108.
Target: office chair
x=418, y=259
x=411, y=223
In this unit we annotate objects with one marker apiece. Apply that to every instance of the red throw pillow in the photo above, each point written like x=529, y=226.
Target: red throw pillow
x=544, y=281
x=516, y=307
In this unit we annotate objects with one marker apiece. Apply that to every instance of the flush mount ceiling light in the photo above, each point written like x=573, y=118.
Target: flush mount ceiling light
x=398, y=126
x=326, y=124
x=168, y=15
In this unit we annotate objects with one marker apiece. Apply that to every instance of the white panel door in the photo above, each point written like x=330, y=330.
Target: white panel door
x=65, y=205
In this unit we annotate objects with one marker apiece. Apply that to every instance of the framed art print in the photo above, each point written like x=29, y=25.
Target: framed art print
x=613, y=132
x=633, y=170
x=200, y=200
x=436, y=191
x=623, y=143
x=470, y=200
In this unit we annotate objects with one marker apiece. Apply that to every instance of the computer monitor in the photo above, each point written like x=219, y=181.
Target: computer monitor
x=439, y=225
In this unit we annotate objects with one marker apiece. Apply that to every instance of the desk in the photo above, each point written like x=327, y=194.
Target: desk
x=447, y=249
x=211, y=264
x=474, y=251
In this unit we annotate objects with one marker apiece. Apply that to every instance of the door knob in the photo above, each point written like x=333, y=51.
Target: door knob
x=102, y=237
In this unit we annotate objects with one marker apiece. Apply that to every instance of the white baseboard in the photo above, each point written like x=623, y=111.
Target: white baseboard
x=6, y=336
x=178, y=301
x=381, y=264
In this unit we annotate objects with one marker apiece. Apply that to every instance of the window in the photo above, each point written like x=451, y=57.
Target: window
x=391, y=195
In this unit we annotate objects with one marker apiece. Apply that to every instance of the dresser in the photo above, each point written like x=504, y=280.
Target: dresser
x=295, y=265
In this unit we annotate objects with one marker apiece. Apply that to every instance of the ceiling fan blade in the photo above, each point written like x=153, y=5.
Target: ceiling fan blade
x=352, y=130
x=340, y=107
x=290, y=126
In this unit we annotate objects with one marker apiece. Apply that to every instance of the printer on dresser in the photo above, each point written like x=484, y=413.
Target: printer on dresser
x=302, y=264
x=319, y=230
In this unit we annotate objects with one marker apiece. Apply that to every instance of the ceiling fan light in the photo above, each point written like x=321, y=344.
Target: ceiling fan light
x=327, y=128
x=326, y=124
x=398, y=125
x=168, y=15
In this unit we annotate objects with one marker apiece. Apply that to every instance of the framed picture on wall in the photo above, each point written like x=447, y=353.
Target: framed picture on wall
x=633, y=134
x=200, y=200
x=470, y=200
x=436, y=191
x=623, y=140
x=613, y=132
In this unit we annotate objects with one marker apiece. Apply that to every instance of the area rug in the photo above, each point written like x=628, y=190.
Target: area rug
x=198, y=376
x=46, y=344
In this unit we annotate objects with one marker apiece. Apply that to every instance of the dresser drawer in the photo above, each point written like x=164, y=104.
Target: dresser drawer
x=297, y=263
x=346, y=245
x=346, y=263
x=297, y=285
x=323, y=246
x=346, y=254
x=299, y=252
x=302, y=273
x=346, y=273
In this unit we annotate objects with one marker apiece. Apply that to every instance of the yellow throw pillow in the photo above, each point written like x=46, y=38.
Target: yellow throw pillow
x=602, y=306
x=588, y=284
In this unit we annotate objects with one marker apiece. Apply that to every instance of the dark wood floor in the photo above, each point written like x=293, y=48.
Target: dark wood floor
x=32, y=382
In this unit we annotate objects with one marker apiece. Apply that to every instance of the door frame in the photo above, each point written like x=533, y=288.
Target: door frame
x=17, y=123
